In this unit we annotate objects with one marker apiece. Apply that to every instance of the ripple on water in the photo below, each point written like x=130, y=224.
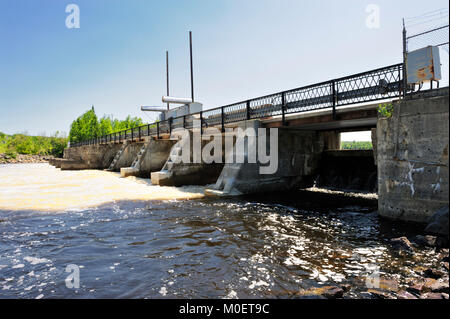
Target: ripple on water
x=233, y=248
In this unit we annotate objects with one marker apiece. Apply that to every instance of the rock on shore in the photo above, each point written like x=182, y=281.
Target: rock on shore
x=24, y=158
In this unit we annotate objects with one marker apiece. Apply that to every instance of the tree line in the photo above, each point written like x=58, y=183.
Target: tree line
x=11, y=145
x=88, y=126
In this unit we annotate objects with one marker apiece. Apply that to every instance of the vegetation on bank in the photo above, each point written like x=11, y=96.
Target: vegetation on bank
x=88, y=126
x=11, y=145
x=356, y=145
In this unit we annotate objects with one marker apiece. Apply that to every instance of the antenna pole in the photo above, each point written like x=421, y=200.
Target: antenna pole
x=192, y=71
x=167, y=76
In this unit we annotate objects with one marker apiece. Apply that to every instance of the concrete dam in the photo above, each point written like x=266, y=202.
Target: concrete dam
x=408, y=166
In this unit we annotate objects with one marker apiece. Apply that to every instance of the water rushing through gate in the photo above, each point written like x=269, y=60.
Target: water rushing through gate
x=131, y=239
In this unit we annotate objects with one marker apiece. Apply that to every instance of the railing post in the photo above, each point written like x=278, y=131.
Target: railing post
x=170, y=125
x=334, y=97
x=223, y=119
x=148, y=129
x=283, y=108
x=184, y=121
x=157, y=130
x=201, y=123
x=248, y=110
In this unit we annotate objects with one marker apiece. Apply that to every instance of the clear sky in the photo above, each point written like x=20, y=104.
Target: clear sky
x=50, y=74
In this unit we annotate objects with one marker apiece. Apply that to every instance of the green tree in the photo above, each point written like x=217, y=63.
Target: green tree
x=105, y=125
x=85, y=127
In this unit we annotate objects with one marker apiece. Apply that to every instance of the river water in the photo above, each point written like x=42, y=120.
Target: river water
x=130, y=239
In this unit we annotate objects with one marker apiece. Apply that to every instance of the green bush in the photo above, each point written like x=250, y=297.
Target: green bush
x=386, y=109
x=32, y=145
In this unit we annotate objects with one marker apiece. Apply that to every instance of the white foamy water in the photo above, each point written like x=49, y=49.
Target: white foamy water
x=43, y=187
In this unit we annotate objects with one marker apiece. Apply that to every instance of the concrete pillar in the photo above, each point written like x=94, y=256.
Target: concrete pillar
x=332, y=140
x=412, y=154
x=373, y=135
x=298, y=158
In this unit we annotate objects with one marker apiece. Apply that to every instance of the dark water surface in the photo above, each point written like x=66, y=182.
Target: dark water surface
x=265, y=246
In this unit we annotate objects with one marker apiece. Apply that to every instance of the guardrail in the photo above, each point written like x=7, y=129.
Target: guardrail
x=368, y=86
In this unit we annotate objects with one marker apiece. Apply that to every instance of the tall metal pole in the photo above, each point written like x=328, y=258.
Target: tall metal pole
x=167, y=76
x=405, y=81
x=192, y=70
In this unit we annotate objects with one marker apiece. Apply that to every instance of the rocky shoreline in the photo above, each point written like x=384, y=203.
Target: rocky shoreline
x=431, y=282
x=24, y=158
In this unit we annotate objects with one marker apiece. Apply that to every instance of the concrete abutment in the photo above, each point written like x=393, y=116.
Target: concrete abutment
x=412, y=156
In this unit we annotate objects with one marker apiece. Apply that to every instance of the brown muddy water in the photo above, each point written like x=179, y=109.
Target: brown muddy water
x=131, y=239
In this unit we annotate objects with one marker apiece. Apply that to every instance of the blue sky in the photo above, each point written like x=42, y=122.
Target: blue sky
x=50, y=74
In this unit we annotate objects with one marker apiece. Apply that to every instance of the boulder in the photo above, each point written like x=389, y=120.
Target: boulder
x=381, y=294
x=402, y=244
x=405, y=295
x=329, y=292
x=438, y=222
x=437, y=286
x=425, y=241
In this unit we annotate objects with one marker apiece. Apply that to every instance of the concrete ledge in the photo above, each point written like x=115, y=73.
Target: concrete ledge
x=161, y=178
x=129, y=171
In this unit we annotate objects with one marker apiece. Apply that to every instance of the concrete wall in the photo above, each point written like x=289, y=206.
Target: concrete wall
x=412, y=155
x=89, y=156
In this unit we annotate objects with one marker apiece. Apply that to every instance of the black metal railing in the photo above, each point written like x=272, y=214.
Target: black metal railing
x=363, y=87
